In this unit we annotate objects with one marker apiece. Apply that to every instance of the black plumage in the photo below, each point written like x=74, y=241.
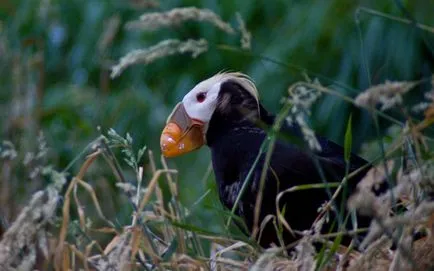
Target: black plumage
x=235, y=137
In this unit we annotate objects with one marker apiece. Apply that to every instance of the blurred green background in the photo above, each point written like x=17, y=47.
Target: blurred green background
x=55, y=68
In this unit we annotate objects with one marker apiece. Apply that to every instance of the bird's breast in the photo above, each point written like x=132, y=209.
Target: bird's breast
x=233, y=157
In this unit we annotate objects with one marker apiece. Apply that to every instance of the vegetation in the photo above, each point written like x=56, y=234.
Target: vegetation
x=75, y=193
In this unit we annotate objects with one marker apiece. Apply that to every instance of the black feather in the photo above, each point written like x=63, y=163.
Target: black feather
x=235, y=137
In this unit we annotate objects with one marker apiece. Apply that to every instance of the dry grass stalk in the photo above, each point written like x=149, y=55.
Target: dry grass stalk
x=427, y=104
x=109, y=33
x=121, y=252
x=388, y=95
x=246, y=36
x=118, y=257
x=18, y=247
x=419, y=210
x=376, y=176
x=423, y=253
x=87, y=254
x=402, y=261
x=302, y=97
x=136, y=248
x=365, y=201
x=95, y=201
x=388, y=224
x=280, y=216
x=269, y=260
x=160, y=50
x=376, y=257
x=61, y=257
x=7, y=151
x=151, y=187
x=156, y=20
x=305, y=253
x=379, y=257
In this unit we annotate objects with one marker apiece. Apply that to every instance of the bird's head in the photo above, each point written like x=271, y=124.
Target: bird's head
x=224, y=94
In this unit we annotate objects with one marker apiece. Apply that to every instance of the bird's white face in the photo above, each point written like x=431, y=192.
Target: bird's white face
x=187, y=125
x=200, y=103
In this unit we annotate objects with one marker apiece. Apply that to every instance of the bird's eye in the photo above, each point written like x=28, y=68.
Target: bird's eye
x=200, y=97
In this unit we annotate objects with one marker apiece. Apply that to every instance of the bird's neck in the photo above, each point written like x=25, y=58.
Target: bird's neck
x=234, y=144
x=235, y=140
x=235, y=121
x=220, y=128
x=234, y=148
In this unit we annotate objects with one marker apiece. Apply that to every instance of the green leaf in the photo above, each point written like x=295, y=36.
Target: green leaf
x=348, y=140
x=140, y=153
x=129, y=139
x=129, y=162
x=326, y=257
x=193, y=228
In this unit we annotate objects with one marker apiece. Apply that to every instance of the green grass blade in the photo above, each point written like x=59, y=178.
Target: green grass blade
x=348, y=140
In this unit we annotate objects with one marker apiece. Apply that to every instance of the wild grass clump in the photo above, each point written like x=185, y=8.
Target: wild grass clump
x=163, y=49
x=64, y=226
x=158, y=236
x=156, y=20
x=174, y=18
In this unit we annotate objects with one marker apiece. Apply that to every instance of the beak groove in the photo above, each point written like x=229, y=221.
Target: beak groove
x=181, y=134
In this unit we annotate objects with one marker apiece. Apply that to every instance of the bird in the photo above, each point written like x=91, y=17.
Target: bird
x=224, y=112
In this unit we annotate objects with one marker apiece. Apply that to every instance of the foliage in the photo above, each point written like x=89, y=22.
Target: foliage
x=56, y=57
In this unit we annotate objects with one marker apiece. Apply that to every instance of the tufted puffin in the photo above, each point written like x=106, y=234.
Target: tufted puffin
x=224, y=113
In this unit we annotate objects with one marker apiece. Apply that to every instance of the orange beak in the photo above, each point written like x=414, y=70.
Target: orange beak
x=181, y=134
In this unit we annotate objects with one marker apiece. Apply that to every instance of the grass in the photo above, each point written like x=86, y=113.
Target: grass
x=159, y=234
